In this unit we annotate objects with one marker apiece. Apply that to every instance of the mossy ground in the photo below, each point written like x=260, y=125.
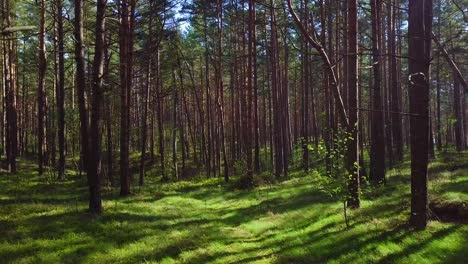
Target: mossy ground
x=205, y=221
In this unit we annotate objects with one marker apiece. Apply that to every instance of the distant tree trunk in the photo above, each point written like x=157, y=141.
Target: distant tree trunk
x=255, y=93
x=248, y=178
x=419, y=50
x=385, y=84
x=286, y=125
x=305, y=94
x=275, y=94
x=282, y=110
x=41, y=95
x=80, y=80
x=431, y=137
x=352, y=159
x=60, y=93
x=395, y=87
x=458, y=110
x=110, y=161
x=351, y=123
x=328, y=133
x=151, y=128
x=209, y=138
x=159, y=115
x=94, y=161
x=199, y=109
x=330, y=69
x=182, y=105
x=220, y=91
x=10, y=89
x=174, y=126
x=144, y=128
x=127, y=9
x=438, y=119
x=377, y=155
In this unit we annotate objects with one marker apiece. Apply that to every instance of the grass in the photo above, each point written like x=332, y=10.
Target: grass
x=205, y=221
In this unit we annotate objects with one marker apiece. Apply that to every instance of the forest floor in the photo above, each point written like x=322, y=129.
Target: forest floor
x=204, y=221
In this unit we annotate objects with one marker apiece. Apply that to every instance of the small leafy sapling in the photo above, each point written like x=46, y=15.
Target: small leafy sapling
x=335, y=184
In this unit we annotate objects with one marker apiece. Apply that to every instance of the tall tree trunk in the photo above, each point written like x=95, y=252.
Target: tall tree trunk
x=144, y=128
x=220, y=90
x=275, y=94
x=255, y=124
x=352, y=157
x=438, y=81
x=395, y=86
x=94, y=161
x=60, y=93
x=41, y=95
x=159, y=115
x=183, y=141
x=377, y=155
x=209, y=138
x=419, y=49
x=10, y=88
x=305, y=95
x=174, y=126
x=286, y=125
x=248, y=178
x=127, y=9
x=80, y=80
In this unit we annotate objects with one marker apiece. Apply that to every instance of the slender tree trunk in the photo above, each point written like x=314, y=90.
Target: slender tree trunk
x=305, y=95
x=431, y=137
x=438, y=81
x=159, y=114
x=395, y=87
x=183, y=140
x=458, y=110
x=352, y=153
x=286, y=125
x=174, y=127
x=10, y=89
x=275, y=94
x=80, y=80
x=144, y=128
x=127, y=9
x=255, y=93
x=250, y=83
x=41, y=96
x=110, y=148
x=377, y=155
x=61, y=91
x=220, y=87
x=208, y=103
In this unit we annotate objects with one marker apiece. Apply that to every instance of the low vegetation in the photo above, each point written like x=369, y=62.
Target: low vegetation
x=207, y=221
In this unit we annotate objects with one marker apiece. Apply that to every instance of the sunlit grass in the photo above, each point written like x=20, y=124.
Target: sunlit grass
x=206, y=220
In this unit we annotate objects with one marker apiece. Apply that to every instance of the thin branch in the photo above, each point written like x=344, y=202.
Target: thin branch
x=326, y=62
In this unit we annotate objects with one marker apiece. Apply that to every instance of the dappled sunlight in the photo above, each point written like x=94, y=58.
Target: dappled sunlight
x=206, y=221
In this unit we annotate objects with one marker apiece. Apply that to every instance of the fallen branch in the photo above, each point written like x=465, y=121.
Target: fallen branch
x=451, y=62
x=326, y=62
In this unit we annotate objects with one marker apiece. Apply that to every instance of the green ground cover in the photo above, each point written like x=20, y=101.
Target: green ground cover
x=205, y=221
